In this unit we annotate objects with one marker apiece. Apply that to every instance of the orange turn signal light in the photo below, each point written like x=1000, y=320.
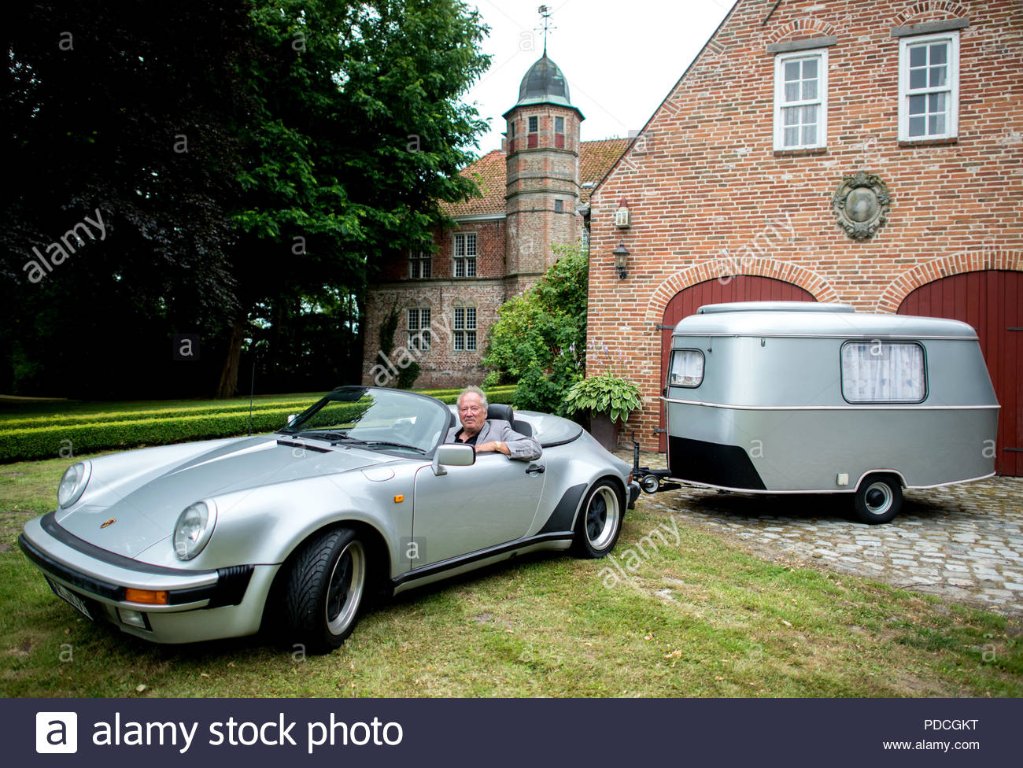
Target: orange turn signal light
x=146, y=596
x=399, y=498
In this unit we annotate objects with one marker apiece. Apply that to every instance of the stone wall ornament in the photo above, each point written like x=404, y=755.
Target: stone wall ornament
x=861, y=205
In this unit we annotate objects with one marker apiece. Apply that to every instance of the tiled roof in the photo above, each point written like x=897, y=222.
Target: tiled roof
x=595, y=160
x=490, y=175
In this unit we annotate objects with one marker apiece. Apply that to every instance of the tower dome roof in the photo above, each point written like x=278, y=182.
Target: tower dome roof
x=544, y=83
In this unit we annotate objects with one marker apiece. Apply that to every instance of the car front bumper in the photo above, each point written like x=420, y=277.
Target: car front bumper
x=198, y=605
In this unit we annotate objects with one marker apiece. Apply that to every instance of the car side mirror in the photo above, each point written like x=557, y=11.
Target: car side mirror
x=453, y=455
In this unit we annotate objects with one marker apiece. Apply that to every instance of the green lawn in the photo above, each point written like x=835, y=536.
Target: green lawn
x=700, y=618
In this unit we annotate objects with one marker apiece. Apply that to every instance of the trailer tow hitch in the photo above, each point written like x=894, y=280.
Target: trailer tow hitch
x=650, y=480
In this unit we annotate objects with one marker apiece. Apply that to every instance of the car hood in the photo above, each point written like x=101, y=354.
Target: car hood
x=132, y=522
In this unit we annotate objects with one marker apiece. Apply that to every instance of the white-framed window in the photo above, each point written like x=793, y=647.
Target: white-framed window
x=801, y=100
x=533, y=131
x=420, y=265
x=419, y=334
x=465, y=255
x=464, y=339
x=883, y=372
x=929, y=87
x=686, y=368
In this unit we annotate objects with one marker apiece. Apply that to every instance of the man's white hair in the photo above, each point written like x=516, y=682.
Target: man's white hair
x=475, y=391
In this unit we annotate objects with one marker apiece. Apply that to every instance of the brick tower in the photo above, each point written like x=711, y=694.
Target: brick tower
x=543, y=173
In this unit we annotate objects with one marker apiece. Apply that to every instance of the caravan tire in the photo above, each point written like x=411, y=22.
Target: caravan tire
x=878, y=499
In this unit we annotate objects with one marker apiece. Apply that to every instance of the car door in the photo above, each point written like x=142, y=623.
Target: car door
x=471, y=508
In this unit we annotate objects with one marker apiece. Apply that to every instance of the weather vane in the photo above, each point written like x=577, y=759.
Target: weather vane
x=545, y=14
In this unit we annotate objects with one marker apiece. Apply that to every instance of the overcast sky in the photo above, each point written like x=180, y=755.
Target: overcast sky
x=620, y=57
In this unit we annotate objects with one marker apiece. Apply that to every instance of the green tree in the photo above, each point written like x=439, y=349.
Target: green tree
x=128, y=109
x=358, y=134
x=251, y=159
x=539, y=339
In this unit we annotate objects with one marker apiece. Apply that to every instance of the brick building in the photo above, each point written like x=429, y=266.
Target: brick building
x=533, y=196
x=862, y=151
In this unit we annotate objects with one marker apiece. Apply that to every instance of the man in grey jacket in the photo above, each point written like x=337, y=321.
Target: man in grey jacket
x=489, y=435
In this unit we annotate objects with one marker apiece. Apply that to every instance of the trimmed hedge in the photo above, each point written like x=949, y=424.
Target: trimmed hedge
x=53, y=435
x=153, y=413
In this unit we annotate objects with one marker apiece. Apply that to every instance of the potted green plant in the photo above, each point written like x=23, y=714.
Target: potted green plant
x=609, y=400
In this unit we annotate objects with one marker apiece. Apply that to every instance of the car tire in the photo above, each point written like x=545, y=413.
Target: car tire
x=600, y=520
x=324, y=591
x=878, y=499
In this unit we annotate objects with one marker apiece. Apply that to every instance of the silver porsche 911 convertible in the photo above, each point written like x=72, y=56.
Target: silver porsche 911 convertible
x=292, y=531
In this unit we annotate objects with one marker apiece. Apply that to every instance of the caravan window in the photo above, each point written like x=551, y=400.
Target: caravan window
x=686, y=368
x=883, y=372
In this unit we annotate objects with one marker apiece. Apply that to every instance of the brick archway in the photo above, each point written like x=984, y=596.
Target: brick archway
x=947, y=266
x=713, y=269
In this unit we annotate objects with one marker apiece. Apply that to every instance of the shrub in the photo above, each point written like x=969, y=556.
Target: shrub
x=539, y=339
x=604, y=393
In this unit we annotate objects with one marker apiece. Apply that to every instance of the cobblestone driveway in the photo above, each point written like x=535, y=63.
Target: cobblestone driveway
x=963, y=542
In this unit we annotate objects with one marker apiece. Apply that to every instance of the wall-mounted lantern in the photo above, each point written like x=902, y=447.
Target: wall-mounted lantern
x=621, y=254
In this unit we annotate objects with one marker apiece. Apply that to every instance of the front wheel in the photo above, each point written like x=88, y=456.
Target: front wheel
x=324, y=590
x=878, y=499
x=600, y=520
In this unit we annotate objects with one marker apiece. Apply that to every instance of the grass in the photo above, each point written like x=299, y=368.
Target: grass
x=700, y=618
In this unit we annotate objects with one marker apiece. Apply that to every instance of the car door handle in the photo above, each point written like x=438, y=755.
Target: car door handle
x=536, y=469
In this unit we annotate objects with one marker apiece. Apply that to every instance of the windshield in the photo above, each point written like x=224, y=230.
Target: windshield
x=375, y=418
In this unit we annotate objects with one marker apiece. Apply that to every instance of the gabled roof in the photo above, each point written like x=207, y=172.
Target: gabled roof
x=490, y=175
x=596, y=159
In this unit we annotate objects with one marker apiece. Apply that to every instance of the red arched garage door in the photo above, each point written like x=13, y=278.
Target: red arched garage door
x=992, y=302
x=741, y=288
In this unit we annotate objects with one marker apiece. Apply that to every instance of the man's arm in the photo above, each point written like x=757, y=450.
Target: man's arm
x=501, y=438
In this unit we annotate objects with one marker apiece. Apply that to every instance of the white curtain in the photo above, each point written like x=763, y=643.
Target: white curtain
x=686, y=368
x=883, y=372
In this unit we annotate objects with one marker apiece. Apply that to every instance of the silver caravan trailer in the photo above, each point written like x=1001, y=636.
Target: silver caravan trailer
x=797, y=397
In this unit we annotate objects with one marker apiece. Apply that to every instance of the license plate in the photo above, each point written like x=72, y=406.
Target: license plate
x=71, y=599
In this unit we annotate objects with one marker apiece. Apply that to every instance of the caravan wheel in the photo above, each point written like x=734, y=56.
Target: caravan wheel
x=878, y=499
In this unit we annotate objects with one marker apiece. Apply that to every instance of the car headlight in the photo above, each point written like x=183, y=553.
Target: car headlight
x=72, y=485
x=193, y=529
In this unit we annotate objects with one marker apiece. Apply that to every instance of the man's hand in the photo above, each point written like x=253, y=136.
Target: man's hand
x=494, y=446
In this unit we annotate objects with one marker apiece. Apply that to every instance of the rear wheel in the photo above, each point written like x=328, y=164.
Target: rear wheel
x=325, y=590
x=878, y=499
x=600, y=520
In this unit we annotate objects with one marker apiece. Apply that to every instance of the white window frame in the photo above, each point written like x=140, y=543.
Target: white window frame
x=419, y=333
x=951, y=87
x=463, y=331
x=463, y=263
x=872, y=372
x=821, y=102
x=420, y=265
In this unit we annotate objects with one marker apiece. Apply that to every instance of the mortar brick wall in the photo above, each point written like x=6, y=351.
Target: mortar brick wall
x=710, y=197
